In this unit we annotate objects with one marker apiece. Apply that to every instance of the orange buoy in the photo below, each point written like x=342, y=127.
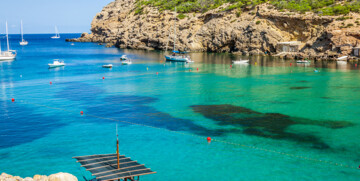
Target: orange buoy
x=81, y=112
x=197, y=69
x=208, y=139
x=230, y=66
x=50, y=82
x=157, y=73
x=103, y=77
x=13, y=100
x=356, y=65
x=290, y=64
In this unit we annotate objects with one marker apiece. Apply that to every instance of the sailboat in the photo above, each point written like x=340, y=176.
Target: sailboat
x=57, y=35
x=23, y=42
x=9, y=54
x=177, y=55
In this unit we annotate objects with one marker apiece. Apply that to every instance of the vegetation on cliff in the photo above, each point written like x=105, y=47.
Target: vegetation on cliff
x=321, y=7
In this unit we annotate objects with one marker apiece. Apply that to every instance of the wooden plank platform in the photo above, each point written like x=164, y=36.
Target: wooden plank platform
x=104, y=167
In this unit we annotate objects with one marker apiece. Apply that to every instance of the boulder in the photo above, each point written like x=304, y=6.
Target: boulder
x=62, y=177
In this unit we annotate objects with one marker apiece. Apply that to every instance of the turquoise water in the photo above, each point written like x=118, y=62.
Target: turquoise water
x=268, y=120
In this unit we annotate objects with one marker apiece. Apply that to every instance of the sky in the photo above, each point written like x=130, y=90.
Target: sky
x=41, y=16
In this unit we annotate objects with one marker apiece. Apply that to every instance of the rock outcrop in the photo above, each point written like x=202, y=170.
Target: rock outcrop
x=54, y=177
x=254, y=31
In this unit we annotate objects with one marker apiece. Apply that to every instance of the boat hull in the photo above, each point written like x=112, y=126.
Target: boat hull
x=241, y=62
x=23, y=43
x=54, y=66
x=107, y=66
x=177, y=58
x=6, y=58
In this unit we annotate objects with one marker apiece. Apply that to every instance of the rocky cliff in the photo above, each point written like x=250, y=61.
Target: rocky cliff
x=255, y=31
x=54, y=177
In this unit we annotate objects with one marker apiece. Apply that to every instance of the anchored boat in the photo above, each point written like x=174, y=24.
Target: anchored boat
x=108, y=66
x=9, y=54
x=303, y=61
x=177, y=56
x=23, y=42
x=56, y=63
x=57, y=35
x=123, y=57
x=240, y=61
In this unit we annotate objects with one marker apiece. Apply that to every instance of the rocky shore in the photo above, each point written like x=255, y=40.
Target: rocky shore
x=256, y=31
x=54, y=177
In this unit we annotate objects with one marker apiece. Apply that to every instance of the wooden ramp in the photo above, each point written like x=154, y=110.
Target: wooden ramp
x=104, y=167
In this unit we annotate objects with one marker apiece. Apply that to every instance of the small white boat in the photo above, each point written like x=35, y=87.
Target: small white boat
x=343, y=58
x=56, y=63
x=108, y=66
x=123, y=57
x=126, y=62
x=57, y=35
x=303, y=61
x=240, y=61
x=72, y=44
x=23, y=42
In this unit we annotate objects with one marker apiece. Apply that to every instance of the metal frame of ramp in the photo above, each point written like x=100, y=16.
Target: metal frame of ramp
x=105, y=167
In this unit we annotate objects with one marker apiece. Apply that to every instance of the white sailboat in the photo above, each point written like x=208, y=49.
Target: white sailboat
x=57, y=35
x=9, y=54
x=177, y=56
x=23, y=42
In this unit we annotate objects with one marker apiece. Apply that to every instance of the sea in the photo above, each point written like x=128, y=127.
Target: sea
x=270, y=119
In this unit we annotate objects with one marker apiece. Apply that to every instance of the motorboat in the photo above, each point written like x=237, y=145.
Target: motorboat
x=123, y=57
x=56, y=63
x=57, y=35
x=9, y=54
x=126, y=62
x=240, y=61
x=108, y=66
x=23, y=42
x=303, y=61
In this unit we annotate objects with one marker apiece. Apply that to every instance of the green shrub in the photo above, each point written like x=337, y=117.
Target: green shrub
x=322, y=7
x=181, y=16
x=258, y=22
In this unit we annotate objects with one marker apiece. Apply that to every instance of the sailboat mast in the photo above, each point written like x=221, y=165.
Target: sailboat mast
x=22, y=33
x=7, y=37
x=175, y=29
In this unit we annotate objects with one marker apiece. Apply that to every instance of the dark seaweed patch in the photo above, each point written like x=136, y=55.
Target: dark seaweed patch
x=133, y=109
x=20, y=124
x=302, y=81
x=298, y=88
x=269, y=125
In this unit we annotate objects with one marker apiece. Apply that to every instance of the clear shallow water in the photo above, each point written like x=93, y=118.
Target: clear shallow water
x=306, y=116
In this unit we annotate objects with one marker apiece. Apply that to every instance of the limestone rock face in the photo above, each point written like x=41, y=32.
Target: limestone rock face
x=254, y=31
x=54, y=177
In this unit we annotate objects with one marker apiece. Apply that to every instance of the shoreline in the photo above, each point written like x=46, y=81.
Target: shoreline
x=283, y=55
